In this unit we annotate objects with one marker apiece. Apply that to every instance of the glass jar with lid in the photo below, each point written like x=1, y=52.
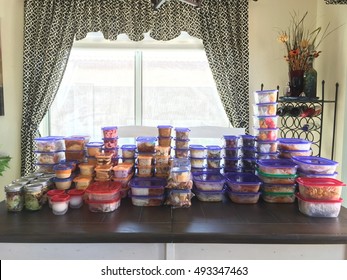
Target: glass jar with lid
x=33, y=196
x=14, y=197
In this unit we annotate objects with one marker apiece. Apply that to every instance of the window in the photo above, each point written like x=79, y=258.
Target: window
x=135, y=83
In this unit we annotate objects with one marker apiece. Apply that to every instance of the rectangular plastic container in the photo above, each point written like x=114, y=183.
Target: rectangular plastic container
x=317, y=175
x=209, y=196
x=50, y=157
x=197, y=151
x=122, y=170
x=320, y=188
x=249, y=152
x=110, y=143
x=265, y=109
x=243, y=197
x=198, y=162
x=75, y=155
x=94, y=148
x=50, y=144
x=146, y=144
x=276, y=197
x=182, y=132
x=312, y=164
x=146, y=200
x=162, y=151
x=110, y=131
x=274, y=155
x=144, y=171
x=74, y=143
x=278, y=188
x=162, y=160
x=164, y=141
x=266, y=134
x=214, y=151
x=100, y=191
x=293, y=144
x=265, y=96
x=267, y=146
x=182, y=143
x=231, y=162
x=214, y=162
x=265, y=121
x=180, y=174
x=231, y=141
x=181, y=153
x=144, y=160
x=147, y=186
x=103, y=206
x=233, y=152
x=277, y=178
x=277, y=166
x=319, y=208
x=242, y=182
x=128, y=151
x=291, y=153
x=247, y=140
x=123, y=181
x=164, y=130
x=205, y=181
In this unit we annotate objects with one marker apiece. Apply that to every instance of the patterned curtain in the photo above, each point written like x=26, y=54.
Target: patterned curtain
x=224, y=28
x=336, y=2
x=52, y=25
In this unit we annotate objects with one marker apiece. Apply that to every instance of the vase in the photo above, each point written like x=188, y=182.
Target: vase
x=296, y=83
x=310, y=81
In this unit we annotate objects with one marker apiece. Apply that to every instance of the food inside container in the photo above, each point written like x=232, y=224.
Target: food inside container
x=62, y=183
x=75, y=155
x=50, y=144
x=162, y=160
x=82, y=182
x=277, y=178
x=232, y=152
x=162, y=170
x=277, y=197
x=103, y=171
x=14, y=197
x=181, y=153
x=266, y=134
x=209, y=196
x=267, y=146
x=144, y=171
x=277, y=166
x=317, y=175
x=206, y=181
x=146, y=144
x=249, y=152
x=52, y=193
x=60, y=204
x=164, y=141
x=243, y=197
x=278, y=188
x=104, y=205
x=265, y=121
x=247, y=140
x=197, y=162
x=76, y=198
x=274, y=155
x=113, y=152
x=94, y=148
x=86, y=169
x=181, y=162
x=62, y=170
x=265, y=96
x=144, y=160
x=179, y=198
x=291, y=153
x=319, y=208
x=265, y=109
x=110, y=143
x=182, y=143
x=123, y=181
x=182, y=132
x=315, y=164
x=45, y=168
x=146, y=200
x=180, y=174
x=214, y=151
x=110, y=131
x=231, y=162
x=213, y=162
x=103, y=159
x=122, y=170
x=162, y=151
x=294, y=144
x=231, y=141
x=128, y=151
x=164, y=130
x=147, y=186
x=33, y=196
x=49, y=157
x=242, y=182
x=320, y=188
x=105, y=190
x=197, y=151
x=74, y=143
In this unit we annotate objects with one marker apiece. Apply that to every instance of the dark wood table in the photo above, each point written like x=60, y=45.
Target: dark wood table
x=203, y=222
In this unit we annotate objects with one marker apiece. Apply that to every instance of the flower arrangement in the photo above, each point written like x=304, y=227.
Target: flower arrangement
x=301, y=43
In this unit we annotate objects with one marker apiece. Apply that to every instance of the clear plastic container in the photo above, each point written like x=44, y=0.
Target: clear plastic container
x=181, y=162
x=100, y=191
x=86, y=169
x=45, y=168
x=320, y=188
x=74, y=143
x=265, y=96
x=146, y=144
x=265, y=109
x=76, y=198
x=266, y=134
x=62, y=170
x=319, y=208
x=182, y=143
x=232, y=152
x=50, y=144
x=182, y=132
x=231, y=141
x=249, y=152
x=162, y=151
x=277, y=197
x=124, y=181
x=312, y=164
x=60, y=204
x=214, y=162
x=164, y=130
x=162, y=170
x=277, y=166
x=197, y=162
x=197, y=151
x=75, y=155
x=291, y=153
x=274, y=155
x=278, y=188
x=317, y=175
x=214, y=151
x=33, y=197
x=144, y=160
x=128, y=151
x=180, y=174
x=209, y=196
x=122, y=170
x=242, y=182
x=63, y=183
x=104, y=206
x=277, y=178
x=14, y=197
x=243, y=197
x=146, y=200
x=267, y=146
x=144, y=171
x=103, y=172
x=162, y=160
x=294, y=144
x=82, y=182
x=206, y=181
x=247, y=140
x=265, y=121
x=164, y=141
x=110, y=143
x=231, y=162
x=52, y=193
x=147, y=186
x=110, y=131
x=179, y=198
x=49, y=157
x=94, y=148
x=181, y=153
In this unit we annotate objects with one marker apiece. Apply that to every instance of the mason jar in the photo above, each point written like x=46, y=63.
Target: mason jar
x=33, y=196
x=14, y=197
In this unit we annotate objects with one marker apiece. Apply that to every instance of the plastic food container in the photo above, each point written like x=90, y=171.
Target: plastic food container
x=320, y=188
x=182, y=143
x=242, y=182
x=164, y=141
x=164, y=130
x=179, y=198
x=181, y=162
x=197, y=151
x=45, y=168
x=265, y=121
x=122, y=170
x=265, y=109
x=144, y=160
x=110, y=131
x=110, y=143
x=74, y=155
x=162, y=170
x=146, y=144
x=94, y=148
x=277, y=178
x=74, y=143
x=317, y=175
x=277, y=197
x=124, y=181
x=50, y=157
x=265, y=96
x=277, y=166
x=14, y=197
x=208, y=181
x=103, y=172
x=291, y=153
x=103, y=206
x=266, y=134
x=62, y=183
x=144, y=171
x=197, y=162
x=103, y=159
x=86, y=169
x=180, y=174
x=100, y=191
x=274, y=155
x=60, y=204
x=319, y=208
x=248, y=163
x=76, y=198
x=146, y=200
x=214, y=162
x=52, y=193
x=231, y=162
x=62, y=170
x=278, y=188
x=247, y=140
x=50, y=144
x=162, y=151
x=82, y=182
x=213, y=151
x=128, y=151
x=231, y=141
x=294, y=144
x=162, y=160
x=182, y=132
x=249, y=152
x=267, y=146
x=181, y=153
x=232, y=152
x=147, y=186
x=243, y=197
x=113, y=152
x=209, y=196
x=315, y=164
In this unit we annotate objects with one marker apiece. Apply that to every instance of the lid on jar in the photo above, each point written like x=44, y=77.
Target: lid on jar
x=42, y=181
x=51, y=193
x=94, y=144
x=33, y=187
x=128, y=147
x=75, y=192
x=146, y=139
x=13, y=187
x=197, y=147
x=213, y=147
x=60, y=198
x=164, y=126
x=109, y=128
x=22, y=181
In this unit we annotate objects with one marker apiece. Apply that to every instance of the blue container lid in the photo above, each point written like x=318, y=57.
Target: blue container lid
x=231, y=137
x=247, y=136
x=128, y=147
x=267, y=141
x=265, y=129
x=109, y=127
x=164, y=126
x=182, y=140
x=110, y=139
x=197, y=147
x=266, y=91
x=55, y=179
x=213, y=147
x=232, y=158
x=94, y=144
x=201, y=158
x=75, y=138
x=152, y=182
x=312, y=160
x=208, y=177
x=49, y=138
x=146, y=139
x=211, y=192
x=293, y=141
x=242, y=177
x=62, y=166
x=182, y=129
x=49, y=152
x=266, y=104
x=246, y=148
x=277, y=163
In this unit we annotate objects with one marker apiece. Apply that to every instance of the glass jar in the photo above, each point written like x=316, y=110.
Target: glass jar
x=14, y=197
x=33, y=196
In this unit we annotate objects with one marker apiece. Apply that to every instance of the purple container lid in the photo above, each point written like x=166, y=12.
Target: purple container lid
x=55, y=179
x=75, y=138
x=314, y=160
x=147, y=182
x=182, y=129
x=266, y=91
x=242, y=177
x=235, y=148
x=182, y=140
x=208, y=177
x=197, y=158
x=293, y=141
x=164, y=126
x=231, y=137
x=197, y=147
x=146, y=196
x=128, y=147
x=262, y=129
x=307, y=174
x=277, y=163
x=249, y=148
x=146, y=139
x=247, y=136
x=266, y=104
x=94, y=144
x=49, y=152
x=62, y=166
x=109, y=127
x=232, y=158
x=213, y=147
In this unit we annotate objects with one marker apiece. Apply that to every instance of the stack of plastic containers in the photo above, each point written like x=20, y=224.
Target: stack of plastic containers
x=122, y=173
x=248, y=153
x=265, y=123
x=110, y=138
x=92, y=150
x=209, y=186
x=147, y=191
x=181, y=142
x=279, y=180
x=197, y=157
x=129, y=154
x=289, y=147
x=145, y=156
x=214, y=158
x=231, y=156
x=75, y=148
x=162, y=152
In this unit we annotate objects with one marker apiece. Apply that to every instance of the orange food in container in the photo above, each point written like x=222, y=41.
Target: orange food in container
x=277, y=166
x=75, y=155
x=128, y=151
x=144, y=160
x=86, y=169
x=146, y=144
x=49, y=157
x=94, y=148
x=265, y=96
x=243, y=197
x=164, y=130
x=62, y=170
x=62, y=184
x=82, y=182
x=74, y=143
x=265, y=109
x=110, y=131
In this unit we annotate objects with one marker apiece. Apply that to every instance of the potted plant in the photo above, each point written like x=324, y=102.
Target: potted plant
x=4, y=162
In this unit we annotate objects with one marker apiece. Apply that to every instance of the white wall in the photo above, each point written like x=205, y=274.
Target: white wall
x=266, y=63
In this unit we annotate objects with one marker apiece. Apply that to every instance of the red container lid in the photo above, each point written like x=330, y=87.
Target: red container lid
x=75, y=192
x=60, y=197
x=104, y=187
x=54, y=192
x=299, y=196
x=319, y=182
x=88, y=201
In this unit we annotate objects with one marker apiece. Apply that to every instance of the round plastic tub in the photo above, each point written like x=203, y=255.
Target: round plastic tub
x=293, y=144
x=62, y=183
x=265, y=96
x=277, y=166
x=76, y=198
x=312, y=164
x=62, y=170
x=242, y=182
x=60, y=203
x=206, y=181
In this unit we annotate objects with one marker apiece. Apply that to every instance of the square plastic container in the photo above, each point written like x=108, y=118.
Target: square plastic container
x=231, y=162
x=317, y=175
x=74, y=143
x=164, y=141
x=162, y=170
x=242, y=182
x=277, y=166
x=231, y=141
x=320, y=188
x=209, y=196
x=122, y=170
x=103, y=206
x=75, y=155
x=247, y=140
x=214, y=151
x=94, y=148
x=249, y=152
x=312, y=164
x=278, y=188
x=197, y=151
x=277, y=178
x=110, y=143
x=182, y=143
x=265, y=109
x=214, y=162
x=267, y=146
x=179, y=198
x=243, y=197
x=82, y=182
x=232, y=152
x=62, y=170
x=182, y=132
x=265, y=96
x=144, y=160
x=50, y=144
x=86, y=169
x=144, y=171
x=147, y=186
x=181, y=153
x=162, y=160
x=128, y=151
x=294, y=144
x=146, y=200
x=146, y=144
x=180, y=174
x=291, y=153
x=266, y=134
x=205, y=181
x=274, y=155
x=265, y=121
x=276, y=197
x=162, y=151
x=319, y=208
x=198, y=162
x=110, y=131
x=103, y=191
x=164, y=130
x=49, y=157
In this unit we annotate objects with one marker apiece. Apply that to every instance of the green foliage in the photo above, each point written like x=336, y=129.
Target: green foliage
x=4, y=163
